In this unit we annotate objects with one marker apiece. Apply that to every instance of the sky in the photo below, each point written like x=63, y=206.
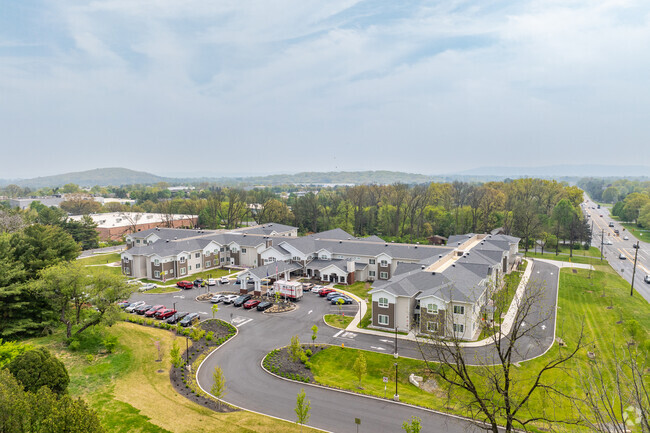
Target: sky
x=255, y=87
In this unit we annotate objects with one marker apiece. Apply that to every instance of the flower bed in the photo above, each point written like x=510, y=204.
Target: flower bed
x=280, y=362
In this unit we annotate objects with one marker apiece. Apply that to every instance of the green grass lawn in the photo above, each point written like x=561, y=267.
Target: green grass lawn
x=163, y=290
x=132, y=393
x=602, y=302
x=577, y=258
x=360, y=288
x=337, y=321
x=214, y=273
x=636, y=231
x=101, y=259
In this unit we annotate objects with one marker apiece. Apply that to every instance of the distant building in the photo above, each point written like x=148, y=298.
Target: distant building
x=105, y=200
x=114, y=225
x=24, y=202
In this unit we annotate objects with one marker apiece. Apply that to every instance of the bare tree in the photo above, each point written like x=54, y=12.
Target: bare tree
x=485, y=381
x=615, y=395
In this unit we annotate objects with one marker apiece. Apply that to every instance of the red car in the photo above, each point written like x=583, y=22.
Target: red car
x=164, y=313
x=185, y=284
x=153, y=310
x=251, y=304
x=326, y=292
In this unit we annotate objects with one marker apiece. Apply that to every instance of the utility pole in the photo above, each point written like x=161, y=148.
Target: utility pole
x=395, y=355
x=602, y=242
x=636, y=254
x=396, y=396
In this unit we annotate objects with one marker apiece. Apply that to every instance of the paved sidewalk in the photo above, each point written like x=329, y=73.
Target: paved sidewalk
x=561, y=264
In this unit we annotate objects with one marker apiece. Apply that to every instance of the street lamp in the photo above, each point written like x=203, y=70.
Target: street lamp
x=395, y=355
x=636, y=254
x=187, y=351
x=396, y=396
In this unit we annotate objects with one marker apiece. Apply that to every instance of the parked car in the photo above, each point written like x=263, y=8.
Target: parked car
x=185, y=284
x=229, y=299
x=622, y=256
x=217, y=298
x=143, y=309
x=133, y=306
x=251, y=303
x=199, y=282
x=177, y=317
x=165, y=313
x=190, y=320
x=646, y=279
x=346, y=300
x=123, y=304
x=153, y=310
x=212, y=282
x=240, y=300
x=264, y=305
x=326, y=292
x=332, y=295
x=224, y=280
x=307, y=286
x=146, y=287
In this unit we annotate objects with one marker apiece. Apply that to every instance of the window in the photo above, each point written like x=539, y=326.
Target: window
x=432, y=326
x=156, y=274
x=127, y=271
x=459, y=309
x=137, y=241
x=341, y=279
x=156, y=262
x=223, y=249
x=383, y=263
x=382, y=319
x=323, y=257
x=183, y=271
x=243, y=250
x=171, y=271
x=126, y=260
x=383, y=275
x=459, y=328
x=197, y=255
x=198, y=266
x=371, y=273
x=383, y=302
x=208, y=263
x=325, y=277
x=432, y=309
x=182, y=259
x=189, y=267
x=295, y=258
x=372, y=261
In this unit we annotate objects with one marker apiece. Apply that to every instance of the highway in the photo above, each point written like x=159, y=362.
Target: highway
x=616, y=246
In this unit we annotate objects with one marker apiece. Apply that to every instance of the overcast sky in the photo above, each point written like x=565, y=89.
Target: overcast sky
x=235, y=86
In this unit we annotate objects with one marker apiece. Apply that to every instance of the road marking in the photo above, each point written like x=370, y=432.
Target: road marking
x=377, y=348
x=244, y=322
x=202, y=312
x=176, y=296
x=310, y=311
x=339, y=333
x=350, y=335
x=385, y=341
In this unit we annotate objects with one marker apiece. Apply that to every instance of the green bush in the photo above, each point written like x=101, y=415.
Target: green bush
x=90, y=358
x=308, y=352
x=308, y=365
x=209, y=336
x=74, y=345
x=303, y=358
x=110, y=342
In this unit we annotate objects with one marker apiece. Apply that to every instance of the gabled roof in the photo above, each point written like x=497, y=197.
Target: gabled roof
x=272, y=269
x=167, y=233
x=337, y=234
x=163, y=248
x=267, y=229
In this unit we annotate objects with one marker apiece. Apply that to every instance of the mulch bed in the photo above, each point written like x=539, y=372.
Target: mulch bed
x=279, y=362
x=198, y=348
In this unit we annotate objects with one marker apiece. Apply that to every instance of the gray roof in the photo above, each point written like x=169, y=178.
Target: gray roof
x=167, y=233
x=322, y=264
x=372, y=238
x=163, y=248
x=273, y=269
x=337, y=234
x=267, y=229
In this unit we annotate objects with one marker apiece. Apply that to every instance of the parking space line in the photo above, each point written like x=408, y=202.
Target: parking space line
x=339, y=333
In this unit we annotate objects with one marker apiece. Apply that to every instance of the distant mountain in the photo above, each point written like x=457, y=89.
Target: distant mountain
x=98, y=176
x=561, y=171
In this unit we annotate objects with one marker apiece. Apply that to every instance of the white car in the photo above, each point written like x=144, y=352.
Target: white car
x=224, y=280
x=647, y=279
x=147, y=286
x=217, y=298
x=229, y=299
x=133, y=306
x=625, y=238
x=608, y=242
x=316, y=289
x=211, y=282
x=622, y=256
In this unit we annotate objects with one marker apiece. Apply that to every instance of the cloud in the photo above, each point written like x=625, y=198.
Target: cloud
x=338, y=84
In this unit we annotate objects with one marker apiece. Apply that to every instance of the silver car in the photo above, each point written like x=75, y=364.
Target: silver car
x=217, y=298
x=133, y=306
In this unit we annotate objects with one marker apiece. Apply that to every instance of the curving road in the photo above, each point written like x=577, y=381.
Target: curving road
x=251, y=388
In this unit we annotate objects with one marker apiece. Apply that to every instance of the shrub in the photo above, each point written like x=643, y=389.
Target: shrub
x=308, y=365
x=74, y=345
x=209, y=336
x=303, y=358
x=308, y=352
x=110, y=342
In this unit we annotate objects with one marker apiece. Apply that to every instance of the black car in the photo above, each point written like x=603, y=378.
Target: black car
x=240, y=301
x=143, y=309
x=190, y=320
x=264, y=305
x=199, y=282
x=177, y=317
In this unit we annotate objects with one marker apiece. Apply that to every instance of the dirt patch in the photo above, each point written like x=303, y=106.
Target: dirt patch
x=279, y=362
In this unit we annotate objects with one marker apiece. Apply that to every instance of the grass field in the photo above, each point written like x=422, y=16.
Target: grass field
x=602, y=302
x=564, y=257
x=164, y=290
x=101, y=259
x=360, y=288
x=636, y=231
x=337, y=320
x=132, y=392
